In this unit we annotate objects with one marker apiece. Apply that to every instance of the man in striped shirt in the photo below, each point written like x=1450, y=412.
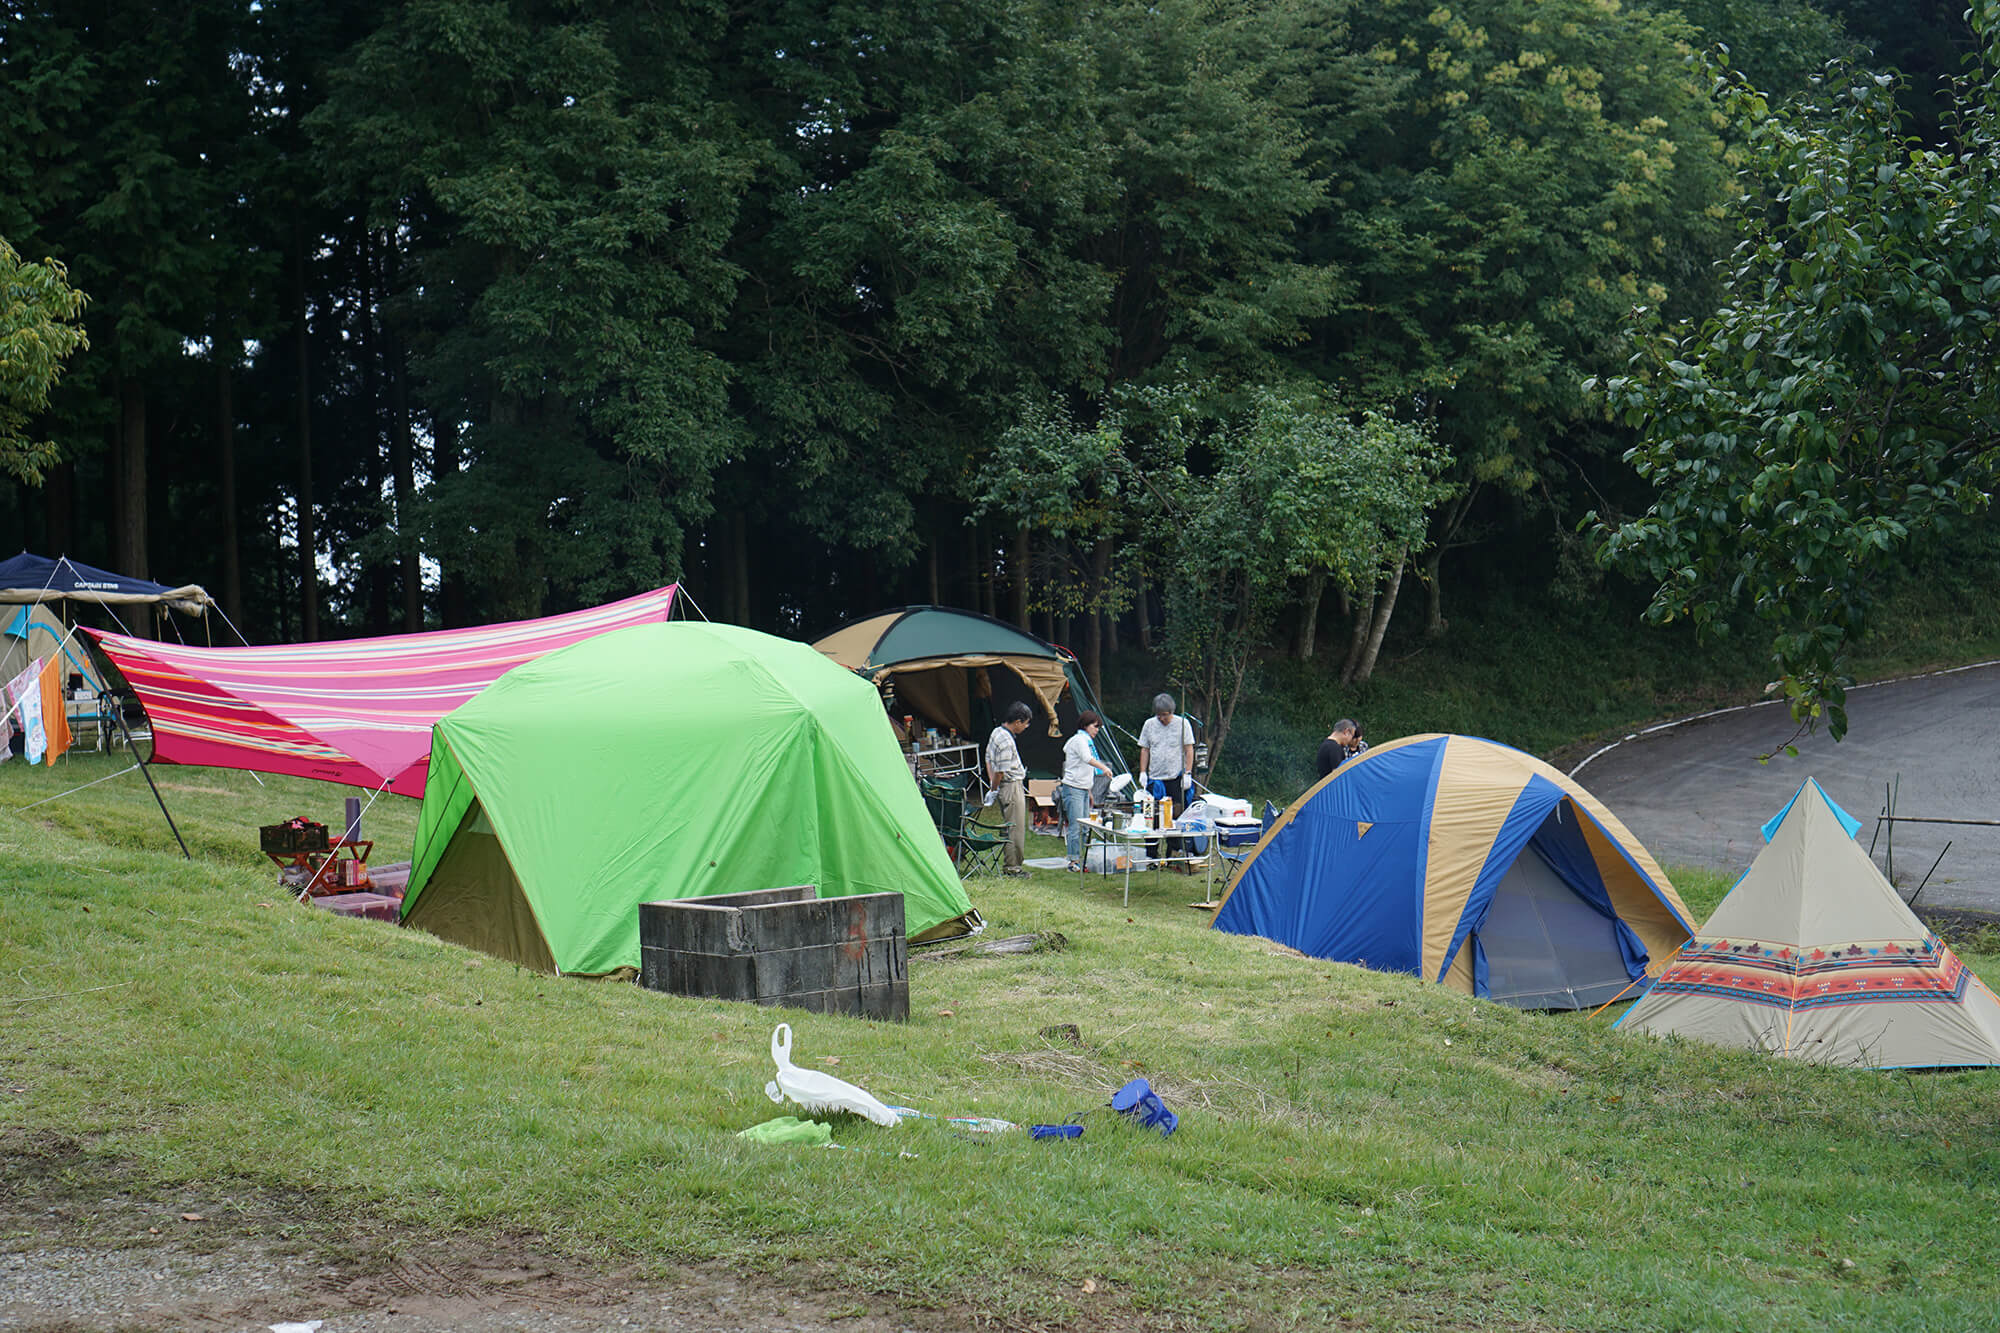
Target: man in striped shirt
x=1008, y=776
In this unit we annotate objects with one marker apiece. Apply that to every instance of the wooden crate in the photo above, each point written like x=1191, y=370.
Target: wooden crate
x=781, y=947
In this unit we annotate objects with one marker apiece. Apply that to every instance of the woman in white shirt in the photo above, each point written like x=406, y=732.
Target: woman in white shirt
x=1073, y=793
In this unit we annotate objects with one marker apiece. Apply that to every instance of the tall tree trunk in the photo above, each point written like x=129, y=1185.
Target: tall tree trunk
x=1219, y=733
x=1357, y=639
x=225, y=441
x=375, y=577
x=1433, y=593
x=1018, y=562
x=1443, y=529
x=1309, y=615
x=402, y=451
x=1144, y=605
x=128, y=541
x=1385, y=606
x=308, y=537
x=739, y=568
x=59, y=509
x=931, y=571
x=453, y=600
x=1093, y=626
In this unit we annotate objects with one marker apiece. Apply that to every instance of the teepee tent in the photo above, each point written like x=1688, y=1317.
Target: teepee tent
x=1464, y=862
x=669, y=760
x=1814, y=957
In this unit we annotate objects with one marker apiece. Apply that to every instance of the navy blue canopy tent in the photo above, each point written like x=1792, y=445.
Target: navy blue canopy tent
x=37, y=578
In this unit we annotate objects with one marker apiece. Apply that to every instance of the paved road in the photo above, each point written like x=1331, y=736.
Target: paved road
x=1695, y=794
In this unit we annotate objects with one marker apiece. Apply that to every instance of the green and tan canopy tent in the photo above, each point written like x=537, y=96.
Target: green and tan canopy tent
x=667, y=760
x=958, y=669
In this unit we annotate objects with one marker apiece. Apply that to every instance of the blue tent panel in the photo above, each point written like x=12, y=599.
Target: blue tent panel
x=1371, y=828
x=65, y=576
x=1847, y=821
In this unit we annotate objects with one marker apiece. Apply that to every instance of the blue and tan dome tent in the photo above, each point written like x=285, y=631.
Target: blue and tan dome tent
x=1465, y=862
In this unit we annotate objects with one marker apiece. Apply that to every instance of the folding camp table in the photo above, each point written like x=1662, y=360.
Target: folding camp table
x=1096, y=831
x=323, y=870
x=944, y=760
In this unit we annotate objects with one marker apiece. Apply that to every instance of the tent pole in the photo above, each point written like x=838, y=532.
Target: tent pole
x=118, y=711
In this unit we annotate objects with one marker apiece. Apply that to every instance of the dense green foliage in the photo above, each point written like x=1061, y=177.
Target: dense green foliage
x=1841, y=406
x=38, y=310
x=418, y=312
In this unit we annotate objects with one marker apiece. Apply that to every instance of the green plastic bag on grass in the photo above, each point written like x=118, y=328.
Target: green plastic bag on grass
x=788, y=1129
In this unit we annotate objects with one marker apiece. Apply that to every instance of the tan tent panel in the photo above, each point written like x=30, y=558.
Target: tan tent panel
x=850, y=645
x=1813, y=956
x=944, y=702
x=475, y=898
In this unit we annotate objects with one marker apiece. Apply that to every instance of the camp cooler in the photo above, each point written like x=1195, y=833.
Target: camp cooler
x=1237, y=832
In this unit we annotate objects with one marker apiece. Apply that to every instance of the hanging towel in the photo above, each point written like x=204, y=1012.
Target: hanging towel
x=55, y=715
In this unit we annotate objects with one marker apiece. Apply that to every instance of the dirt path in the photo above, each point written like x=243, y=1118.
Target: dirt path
x=80, y=1250
x=1694, y=793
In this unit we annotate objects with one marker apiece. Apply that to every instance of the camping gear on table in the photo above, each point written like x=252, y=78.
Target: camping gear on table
x=1465, y=862
x=357, y=711
x=683, y=759
x=960, y=670
x=1813, y=956
x=295, y=836
x=820, y=1094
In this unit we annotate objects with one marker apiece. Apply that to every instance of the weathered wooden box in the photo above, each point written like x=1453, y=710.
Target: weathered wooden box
x=781, y=947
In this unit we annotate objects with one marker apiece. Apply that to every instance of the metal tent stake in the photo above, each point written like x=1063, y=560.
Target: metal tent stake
x=118, y=711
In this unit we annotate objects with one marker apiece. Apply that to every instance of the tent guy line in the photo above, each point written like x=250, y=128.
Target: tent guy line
x=74, y=790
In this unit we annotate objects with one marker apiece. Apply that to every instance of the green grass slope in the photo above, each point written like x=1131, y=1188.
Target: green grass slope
x=1355, y=1151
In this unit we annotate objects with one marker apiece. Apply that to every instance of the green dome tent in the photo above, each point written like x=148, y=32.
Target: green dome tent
x=664, y=761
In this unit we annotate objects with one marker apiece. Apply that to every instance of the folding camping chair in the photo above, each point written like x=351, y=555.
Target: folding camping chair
x=974, y=840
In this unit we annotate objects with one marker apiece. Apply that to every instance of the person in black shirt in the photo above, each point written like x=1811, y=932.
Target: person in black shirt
x=1340, y=746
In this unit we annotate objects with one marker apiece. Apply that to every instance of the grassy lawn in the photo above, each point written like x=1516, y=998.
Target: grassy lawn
x=1355, y=1150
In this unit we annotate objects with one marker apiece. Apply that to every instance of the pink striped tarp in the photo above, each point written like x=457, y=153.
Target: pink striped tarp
x=357, y=711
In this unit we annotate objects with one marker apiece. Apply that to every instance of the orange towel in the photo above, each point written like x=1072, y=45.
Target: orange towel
x=55, y=717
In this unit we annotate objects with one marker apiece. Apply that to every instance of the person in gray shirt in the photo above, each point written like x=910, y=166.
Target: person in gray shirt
x=1166, y=752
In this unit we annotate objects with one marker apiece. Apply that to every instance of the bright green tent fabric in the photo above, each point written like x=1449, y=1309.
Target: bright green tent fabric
x=664, y=761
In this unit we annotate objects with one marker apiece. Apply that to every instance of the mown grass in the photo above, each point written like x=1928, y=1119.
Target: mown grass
x=1355, y=1150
